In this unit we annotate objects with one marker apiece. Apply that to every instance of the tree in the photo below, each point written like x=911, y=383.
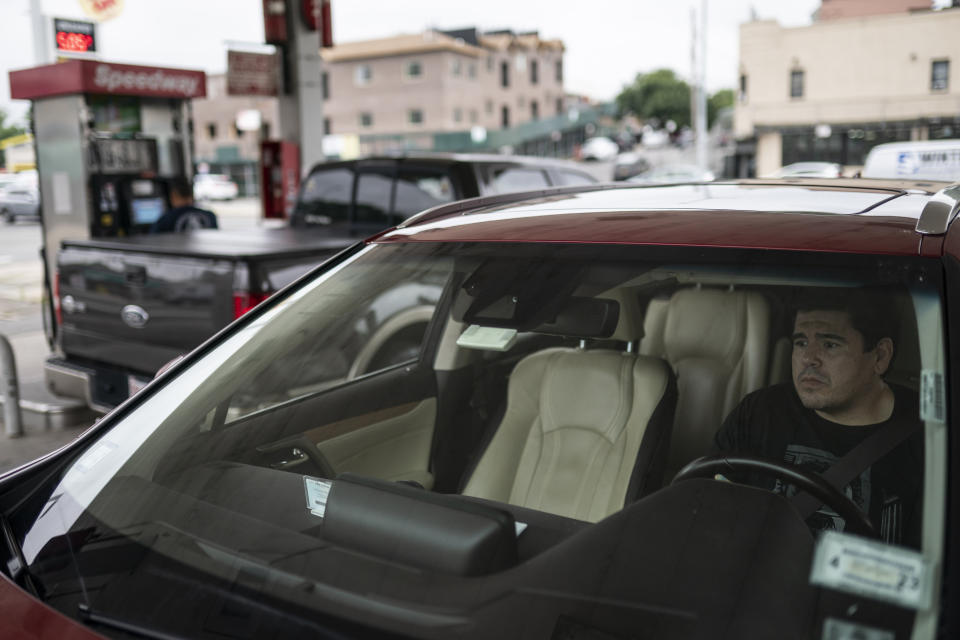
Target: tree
x=659, y=94
x=720, y=100
x=7, y=131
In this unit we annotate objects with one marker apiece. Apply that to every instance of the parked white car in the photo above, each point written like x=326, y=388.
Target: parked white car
x=599, y=148
x=214, y=186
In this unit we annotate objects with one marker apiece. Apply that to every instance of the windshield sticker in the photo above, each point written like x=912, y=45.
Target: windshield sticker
x=873, y=569
x=94, y=455
x=316, y=491
x=932, y=406
x=834, y=629
x=487, y=338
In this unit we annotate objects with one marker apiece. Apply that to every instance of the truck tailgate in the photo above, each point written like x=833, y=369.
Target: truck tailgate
x=138, y=302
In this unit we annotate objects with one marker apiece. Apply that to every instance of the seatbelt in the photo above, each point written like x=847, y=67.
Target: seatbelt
x=858, y=460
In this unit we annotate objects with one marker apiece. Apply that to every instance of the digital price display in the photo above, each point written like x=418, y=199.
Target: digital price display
x=74, y=36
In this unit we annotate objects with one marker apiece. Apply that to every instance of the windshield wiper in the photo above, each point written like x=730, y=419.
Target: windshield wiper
x=17, y=566
x=91, y=617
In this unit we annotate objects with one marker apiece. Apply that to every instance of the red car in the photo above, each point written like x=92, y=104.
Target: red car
x=694, y=411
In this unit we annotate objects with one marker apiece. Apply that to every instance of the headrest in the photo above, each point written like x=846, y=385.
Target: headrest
x=706, y=323
x=630, y=323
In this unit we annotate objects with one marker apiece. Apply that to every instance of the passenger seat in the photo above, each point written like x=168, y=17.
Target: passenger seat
x=585, y=430
x=717, y=342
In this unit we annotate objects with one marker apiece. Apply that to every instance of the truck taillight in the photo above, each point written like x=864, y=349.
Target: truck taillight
x=57, y=313
x=244, y=301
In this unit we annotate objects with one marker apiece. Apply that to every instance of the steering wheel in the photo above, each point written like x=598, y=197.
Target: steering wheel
x=708, y=466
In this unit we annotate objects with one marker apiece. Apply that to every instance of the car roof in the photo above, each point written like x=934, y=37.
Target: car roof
x=450, y=158
x=845, y=215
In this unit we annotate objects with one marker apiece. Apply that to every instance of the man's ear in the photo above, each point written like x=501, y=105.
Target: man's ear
x=884, y=351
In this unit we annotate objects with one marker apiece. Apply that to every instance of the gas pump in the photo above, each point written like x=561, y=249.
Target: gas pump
x=109, y=138
x=279, y=177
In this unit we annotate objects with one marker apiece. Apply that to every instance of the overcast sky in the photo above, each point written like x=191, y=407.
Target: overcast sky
x=607, y=41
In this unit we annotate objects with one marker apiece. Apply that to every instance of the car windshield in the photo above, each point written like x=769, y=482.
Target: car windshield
x=478, y=440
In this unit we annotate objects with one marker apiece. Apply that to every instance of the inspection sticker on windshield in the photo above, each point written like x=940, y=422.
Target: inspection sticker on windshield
x=932, y=394
x=317, y=491
x=873, y=569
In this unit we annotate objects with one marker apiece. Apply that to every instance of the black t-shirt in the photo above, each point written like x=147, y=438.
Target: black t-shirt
x=185, y=218
x=772, y=423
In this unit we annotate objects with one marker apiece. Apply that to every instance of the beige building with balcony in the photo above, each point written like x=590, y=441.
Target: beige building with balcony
x=440, y=81
x=865, y=72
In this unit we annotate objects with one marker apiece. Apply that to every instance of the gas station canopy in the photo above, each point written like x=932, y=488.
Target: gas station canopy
x=98, y=77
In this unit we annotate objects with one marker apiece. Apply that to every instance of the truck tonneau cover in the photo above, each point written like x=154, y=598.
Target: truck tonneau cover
x=220, y=244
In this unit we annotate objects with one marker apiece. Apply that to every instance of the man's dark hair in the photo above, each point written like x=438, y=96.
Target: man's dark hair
x=181, y=187
x=872, y=311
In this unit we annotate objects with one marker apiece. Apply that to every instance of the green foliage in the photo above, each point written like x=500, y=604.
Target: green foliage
x=662, y=95
x=7, y=131
x=720, y=100
x=659, y=94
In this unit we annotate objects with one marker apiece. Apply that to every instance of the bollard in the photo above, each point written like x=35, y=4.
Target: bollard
x=9, y=390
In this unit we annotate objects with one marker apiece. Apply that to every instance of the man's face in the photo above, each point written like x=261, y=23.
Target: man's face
x=831, y=371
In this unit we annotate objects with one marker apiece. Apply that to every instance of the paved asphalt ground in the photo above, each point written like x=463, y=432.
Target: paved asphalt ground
x=21, y=323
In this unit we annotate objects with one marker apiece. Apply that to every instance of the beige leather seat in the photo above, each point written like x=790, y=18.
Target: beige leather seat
x=717, y=341
x=584, y=430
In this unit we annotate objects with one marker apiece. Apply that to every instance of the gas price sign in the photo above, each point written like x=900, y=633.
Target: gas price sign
x=74, y=36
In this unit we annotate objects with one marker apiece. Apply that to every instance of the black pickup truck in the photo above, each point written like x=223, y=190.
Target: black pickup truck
x=127, y=306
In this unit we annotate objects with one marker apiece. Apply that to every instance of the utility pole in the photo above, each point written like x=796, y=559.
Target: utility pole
x=38, y=24
x=701, y=129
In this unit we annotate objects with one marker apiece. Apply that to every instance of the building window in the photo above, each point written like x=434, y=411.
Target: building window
x=325, y=85
x=520, y=61
x=456, y=67
x=415, y=116
x=326, y=126
x=413, y=69
x=534, y=110
x=504, y=74
x=457, y=114
x=742, y=96
x=473, y=116
x=362, y=75
x=559, y=70
x=472, y=70
x=366, y=120
x=237, y=130
x=796, y=84
x=939, y=75
x=212, y=129
x=534, y=72
x=488, y=107
x=559, y=106
x=504, y=116
x=490, y=64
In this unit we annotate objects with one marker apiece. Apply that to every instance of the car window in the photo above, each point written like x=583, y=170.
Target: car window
x=516, y=179
x=325, y=197
x=419, y=189
x=382, y=328
x=570, y=178
x=374, y=194
x=332, y=441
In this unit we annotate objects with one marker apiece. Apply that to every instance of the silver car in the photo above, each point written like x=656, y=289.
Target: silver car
x=20, y=198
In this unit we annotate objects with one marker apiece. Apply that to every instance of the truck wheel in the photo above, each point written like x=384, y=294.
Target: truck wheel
x=8, y=217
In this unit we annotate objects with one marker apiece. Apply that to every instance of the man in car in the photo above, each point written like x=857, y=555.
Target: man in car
x=183, y=215
x=842, y=348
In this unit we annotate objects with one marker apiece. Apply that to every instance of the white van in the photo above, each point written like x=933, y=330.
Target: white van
x=920, y=160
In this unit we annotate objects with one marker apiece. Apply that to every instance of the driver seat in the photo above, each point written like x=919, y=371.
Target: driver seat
x=584, y=431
